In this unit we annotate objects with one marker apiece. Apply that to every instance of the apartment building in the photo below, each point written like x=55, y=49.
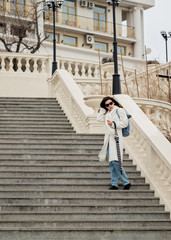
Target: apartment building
x=83, y=27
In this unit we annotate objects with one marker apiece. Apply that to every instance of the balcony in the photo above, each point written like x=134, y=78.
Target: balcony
x=90, y=24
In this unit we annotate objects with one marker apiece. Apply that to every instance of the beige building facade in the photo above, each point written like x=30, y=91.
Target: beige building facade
x=82, y=27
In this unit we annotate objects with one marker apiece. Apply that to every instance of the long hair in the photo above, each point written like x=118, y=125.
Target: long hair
x=102, y=104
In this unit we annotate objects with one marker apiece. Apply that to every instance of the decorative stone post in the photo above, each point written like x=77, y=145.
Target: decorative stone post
x=93, y=101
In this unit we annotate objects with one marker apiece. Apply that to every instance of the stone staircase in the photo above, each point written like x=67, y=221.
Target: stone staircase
x=53, y=187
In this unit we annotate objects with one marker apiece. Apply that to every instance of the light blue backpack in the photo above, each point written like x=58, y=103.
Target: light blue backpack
x=126, y=130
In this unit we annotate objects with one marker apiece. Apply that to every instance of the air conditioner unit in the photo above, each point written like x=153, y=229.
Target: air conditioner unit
x=83, y=3
x=89, y=39
x=90, y=4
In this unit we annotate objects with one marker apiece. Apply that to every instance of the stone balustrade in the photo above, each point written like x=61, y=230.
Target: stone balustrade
x=88, y=75
x=158, y=112
x=27, y=63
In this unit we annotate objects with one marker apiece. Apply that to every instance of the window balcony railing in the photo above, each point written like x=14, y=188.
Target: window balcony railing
x=91, y=24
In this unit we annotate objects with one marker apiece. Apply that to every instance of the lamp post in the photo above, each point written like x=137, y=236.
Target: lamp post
x=116, y=86
x=54, y=4
x=165, y=36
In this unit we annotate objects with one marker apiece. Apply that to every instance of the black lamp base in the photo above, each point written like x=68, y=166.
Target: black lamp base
x=116, y=84
x=54, y=67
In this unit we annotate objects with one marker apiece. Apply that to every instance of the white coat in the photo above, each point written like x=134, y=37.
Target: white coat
x=121, y=122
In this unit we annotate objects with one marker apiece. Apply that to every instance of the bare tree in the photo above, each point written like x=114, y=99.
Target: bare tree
x=21, y=30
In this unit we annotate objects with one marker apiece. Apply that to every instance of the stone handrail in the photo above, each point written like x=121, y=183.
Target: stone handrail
x=153, y=150
x=159, y=112
x=63, y=87
x=19, y=63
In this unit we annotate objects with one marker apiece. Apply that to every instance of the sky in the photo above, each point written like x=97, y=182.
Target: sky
x=157, y=19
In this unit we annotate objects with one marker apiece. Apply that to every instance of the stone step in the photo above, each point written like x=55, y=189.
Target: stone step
x=40, y=122
x=28, y=108
x=62, y=173
x=16, y=141
x=82, y=208
x=87, y=225
x=29, y=127
x=29, y=105
x=56, y=156
x=57, y=151
x=65, y=180
x=22, y=118
x=76, y=216
x=26, y=99
x=40, y=112
x=37, y=116
x=77, y=194
x=50, y=146
x=32, y=114
x=60, y=169
x=84, y=233
x=36, y=130
x=66, y=187
x=75, y=162
x=57, y=136
x=81, y=200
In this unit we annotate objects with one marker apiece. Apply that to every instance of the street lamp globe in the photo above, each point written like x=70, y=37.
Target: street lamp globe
x=48, y=3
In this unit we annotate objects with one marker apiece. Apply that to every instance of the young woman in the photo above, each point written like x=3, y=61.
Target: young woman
x=109, y=116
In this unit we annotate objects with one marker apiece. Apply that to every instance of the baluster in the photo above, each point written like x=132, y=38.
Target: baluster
x=19, y=65
x=148, y=110
x=83, y=75
x=76, y=70
x=43, y=65
x=70, y=68
x=35, y=66
x=27, y=65
x=95, y=71
x=3, y=64
x=62, y=64
x=89, y=73
x=11, y=64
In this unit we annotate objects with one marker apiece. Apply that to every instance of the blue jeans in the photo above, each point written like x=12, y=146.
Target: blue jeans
x=115, y=173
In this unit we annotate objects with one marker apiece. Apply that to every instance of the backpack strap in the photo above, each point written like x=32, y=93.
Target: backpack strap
x=117, y=113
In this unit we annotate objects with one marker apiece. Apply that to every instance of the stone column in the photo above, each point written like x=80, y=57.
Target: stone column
x=138, y=18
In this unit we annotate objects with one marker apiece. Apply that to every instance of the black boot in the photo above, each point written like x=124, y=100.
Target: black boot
x=127, y=186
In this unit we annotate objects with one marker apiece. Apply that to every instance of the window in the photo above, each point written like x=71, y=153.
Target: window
x=68, y=12
x=2, y=6
x=101, y=46
x=48, y=13
x=2, y=28
x=50, y=37
x=17, y=7
x=72, y=41
x=121, y=50
x=19, y=31
x=99, y=16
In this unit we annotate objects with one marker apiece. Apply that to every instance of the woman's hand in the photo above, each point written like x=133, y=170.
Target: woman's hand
x=109, y=123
